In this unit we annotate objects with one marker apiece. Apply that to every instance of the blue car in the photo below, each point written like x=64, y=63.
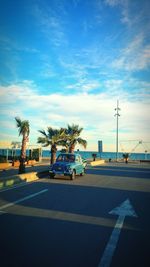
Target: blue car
x=68, y=164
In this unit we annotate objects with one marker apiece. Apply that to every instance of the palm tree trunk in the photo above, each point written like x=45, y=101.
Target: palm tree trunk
x=71, y=148
x=53, y=153
x=67, y=149
x=23, y=156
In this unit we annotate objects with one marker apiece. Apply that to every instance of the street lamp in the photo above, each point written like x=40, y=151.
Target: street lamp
x=117, y=115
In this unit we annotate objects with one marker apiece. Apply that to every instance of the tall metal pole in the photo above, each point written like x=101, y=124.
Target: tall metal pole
x=117, y=115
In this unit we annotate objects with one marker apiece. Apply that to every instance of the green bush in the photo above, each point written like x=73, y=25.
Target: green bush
x=3, y=159
x=34, y=154
x=16, y=158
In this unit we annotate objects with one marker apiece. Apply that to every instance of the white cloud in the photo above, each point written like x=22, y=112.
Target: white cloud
x=132, y=14
x=114, y=2
x=94, y=112
x=125, y=10
x=10, y=44
x=136, y=55
x=84, y=86
x=51, y=24
x=113, y=85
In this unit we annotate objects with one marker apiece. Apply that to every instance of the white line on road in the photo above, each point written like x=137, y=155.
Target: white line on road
x=125, y=209
x=17, y=186
x=22, y=199
x=2, y=212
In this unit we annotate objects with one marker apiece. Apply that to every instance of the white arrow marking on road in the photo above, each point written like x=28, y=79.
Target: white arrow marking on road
x=125, y=209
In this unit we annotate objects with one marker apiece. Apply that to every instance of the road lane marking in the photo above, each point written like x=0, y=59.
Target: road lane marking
x=22, y=199
x=125, y=209
x=17, y=186
x=2, y=212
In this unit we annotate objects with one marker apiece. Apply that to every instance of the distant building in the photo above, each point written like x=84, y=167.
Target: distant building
x=9, y=149
x=100, y=146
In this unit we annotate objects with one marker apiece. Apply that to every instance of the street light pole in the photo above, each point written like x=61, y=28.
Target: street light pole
x=117, y=115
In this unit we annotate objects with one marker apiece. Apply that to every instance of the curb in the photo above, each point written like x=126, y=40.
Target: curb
x=97, y=162
x=21, y=178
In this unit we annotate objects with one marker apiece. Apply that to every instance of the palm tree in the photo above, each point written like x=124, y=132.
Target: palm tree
x=53, y=137
x=72, y=134
x=24, y=130
x=65, y=142
x=14, y=145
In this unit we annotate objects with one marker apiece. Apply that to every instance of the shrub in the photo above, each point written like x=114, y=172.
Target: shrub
x=3, y=159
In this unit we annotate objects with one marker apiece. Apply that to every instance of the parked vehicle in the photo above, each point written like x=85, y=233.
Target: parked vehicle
x=68, y=164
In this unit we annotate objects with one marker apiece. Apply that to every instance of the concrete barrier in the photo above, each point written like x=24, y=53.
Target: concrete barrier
x=19, y=178
x=31, y=162
x=97, y=162
x=16, y=163
x=5, y=165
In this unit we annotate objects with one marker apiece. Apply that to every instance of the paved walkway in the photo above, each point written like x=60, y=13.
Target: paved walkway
x=44, y=166
x=13, y=171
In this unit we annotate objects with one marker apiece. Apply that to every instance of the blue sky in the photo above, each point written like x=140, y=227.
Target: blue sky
x=68, y=61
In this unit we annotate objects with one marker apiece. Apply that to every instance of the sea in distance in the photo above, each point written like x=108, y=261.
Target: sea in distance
x=104, y=155
x=86, y=154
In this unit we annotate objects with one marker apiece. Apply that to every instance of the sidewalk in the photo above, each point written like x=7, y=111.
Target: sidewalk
x=44, y=166
x=10, y=176
x=39, y=167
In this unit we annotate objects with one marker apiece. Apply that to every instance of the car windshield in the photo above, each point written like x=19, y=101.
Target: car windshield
x=66, y=158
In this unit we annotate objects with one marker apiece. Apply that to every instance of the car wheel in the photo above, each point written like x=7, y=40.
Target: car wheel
x=52, y=176
x=82, y=173
x=72, y=176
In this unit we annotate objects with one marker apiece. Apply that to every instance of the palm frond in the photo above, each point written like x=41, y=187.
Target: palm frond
x=74, y=129
x=52, y=132
x=82, y=142
x=18, y=120
x=43, y=132
x=23, y=126
x=53, y=136
x=44, y=141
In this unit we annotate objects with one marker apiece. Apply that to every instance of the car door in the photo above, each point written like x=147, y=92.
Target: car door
x=79, y=167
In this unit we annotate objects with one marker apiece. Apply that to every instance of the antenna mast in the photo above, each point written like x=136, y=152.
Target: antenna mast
x=117, y=116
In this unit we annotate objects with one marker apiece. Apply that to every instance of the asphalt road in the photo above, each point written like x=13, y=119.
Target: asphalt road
x=55, y=222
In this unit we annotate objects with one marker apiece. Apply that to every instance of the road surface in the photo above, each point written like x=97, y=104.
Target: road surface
x=55, y=222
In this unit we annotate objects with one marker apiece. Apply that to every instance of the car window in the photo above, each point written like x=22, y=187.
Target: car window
x=71, y=158
x=66, y=158
x=59, y=158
